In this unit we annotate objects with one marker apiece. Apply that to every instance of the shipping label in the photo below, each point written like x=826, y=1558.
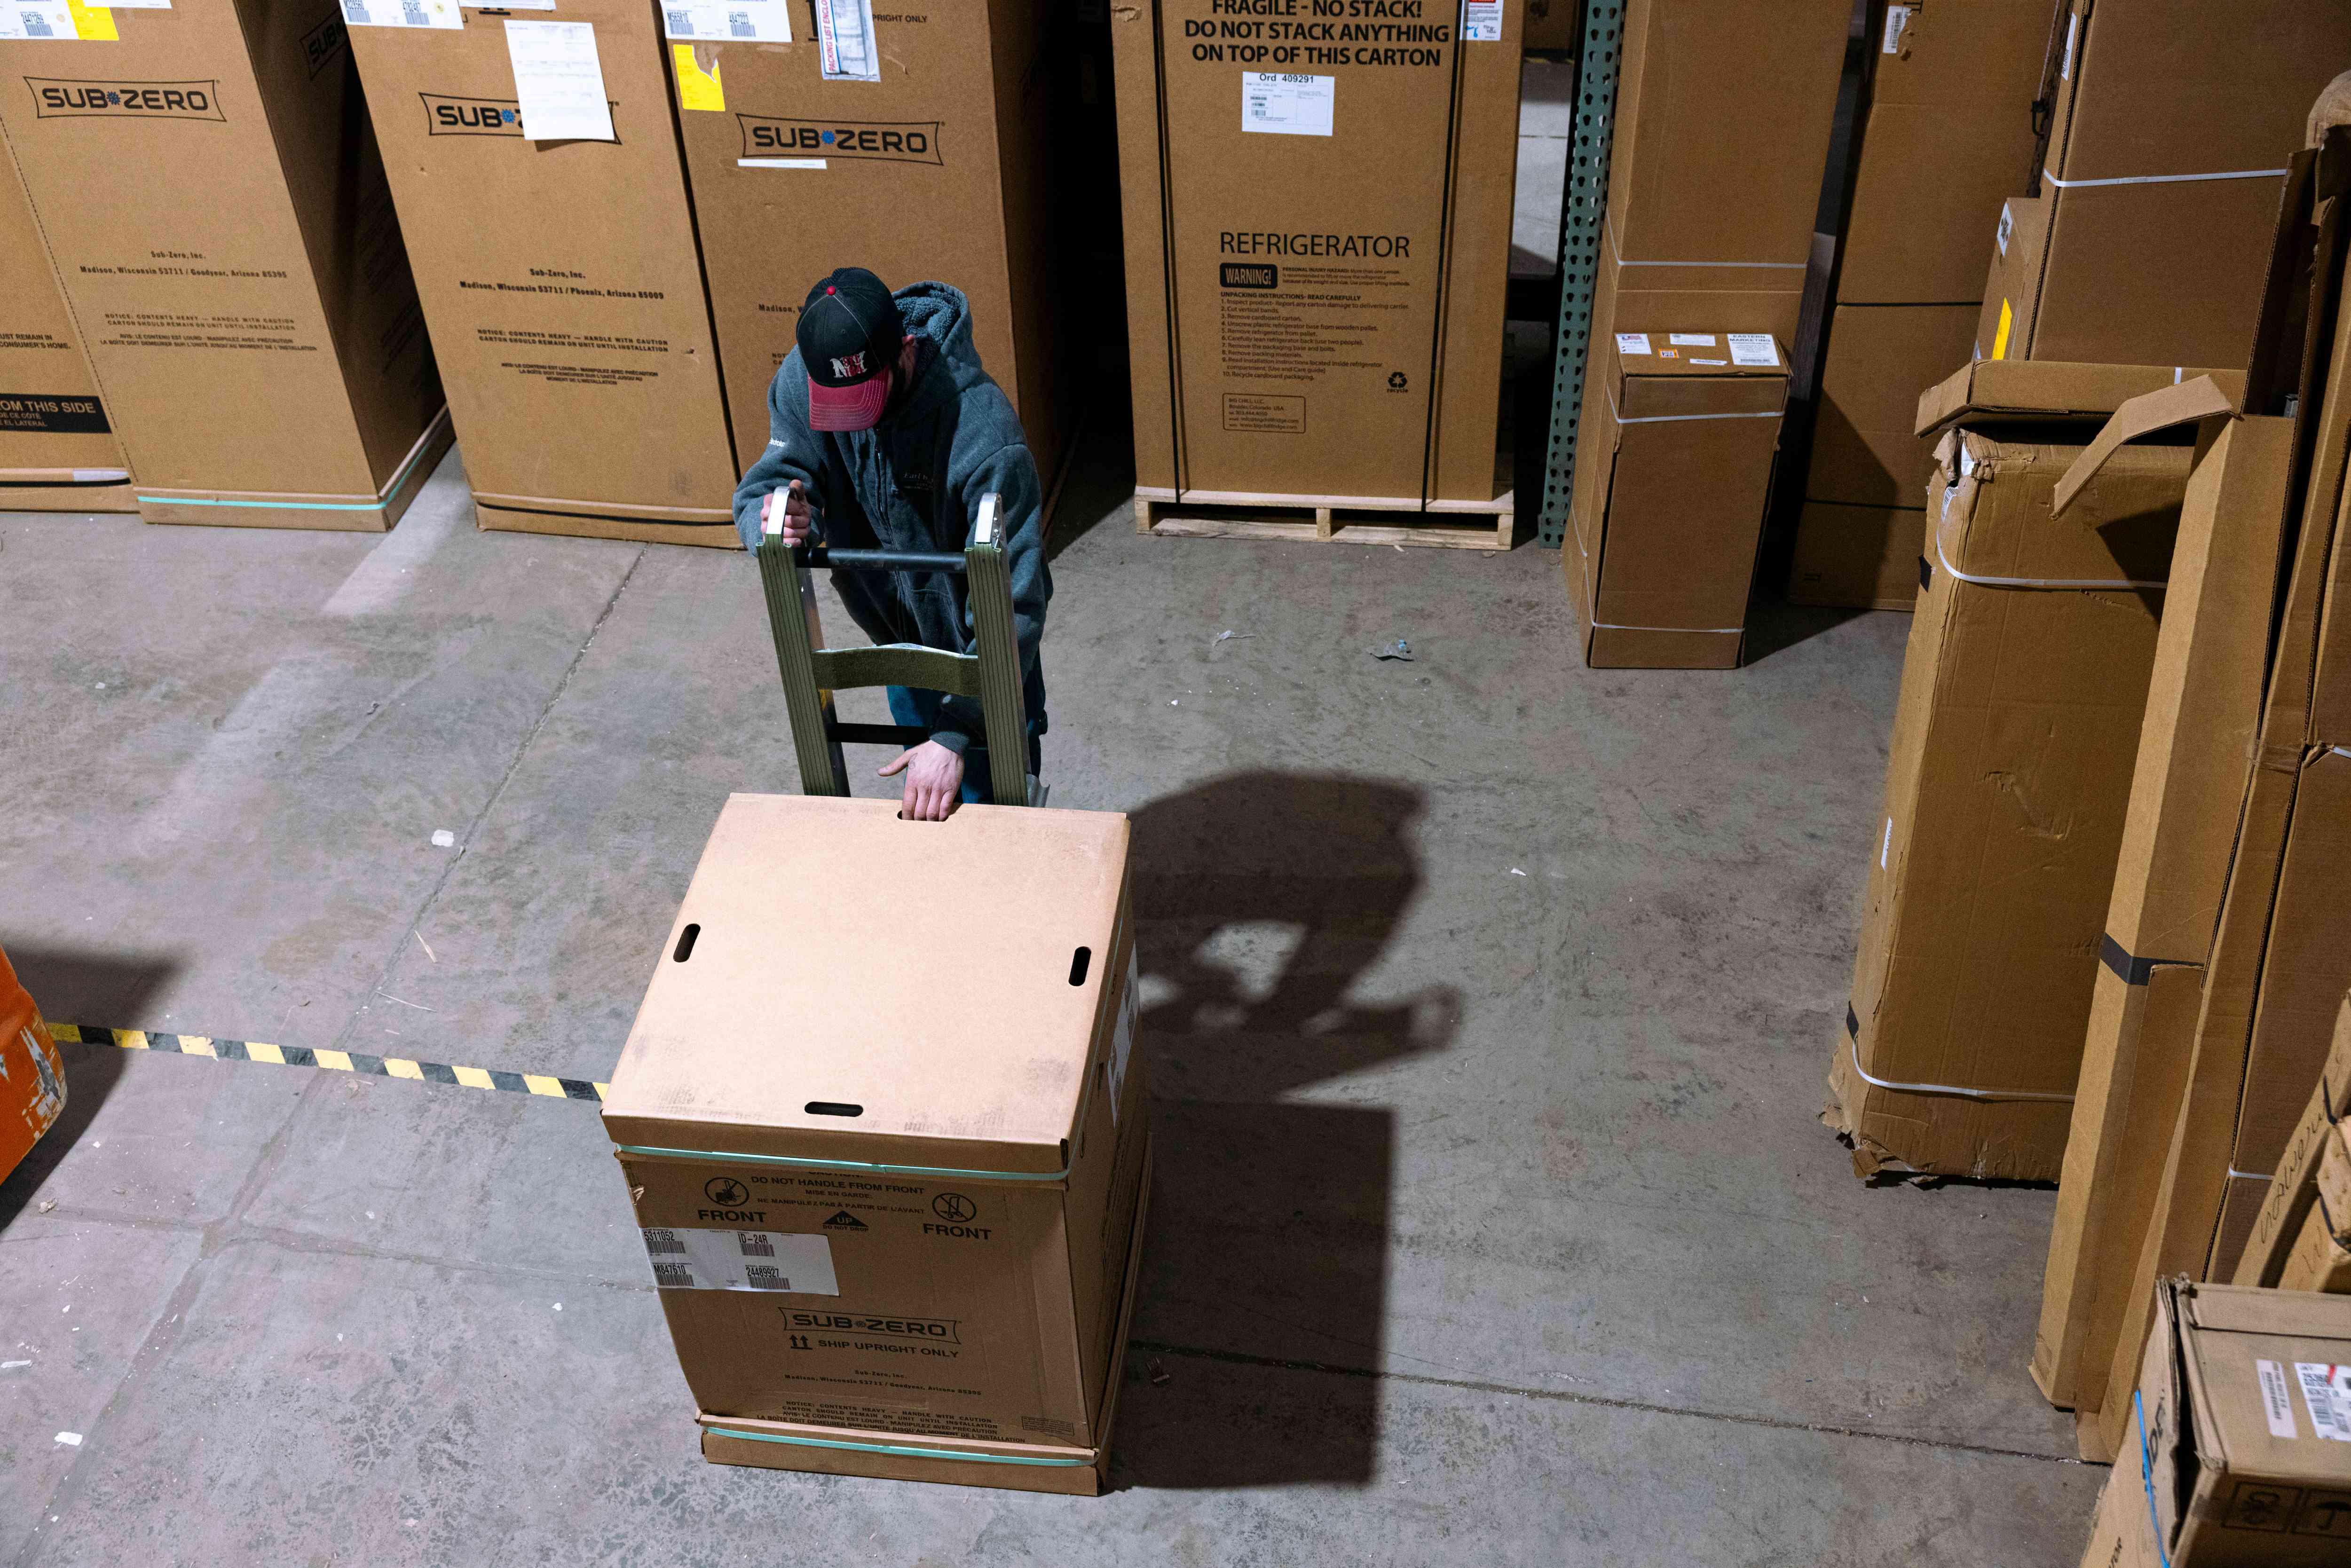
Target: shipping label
x=844, y=37
x=1481, y=21
x=761, y=20
x=1284, y=105
x=710, y=1259
x=2326, y=1391
x=1753, y=348
x=402, y=14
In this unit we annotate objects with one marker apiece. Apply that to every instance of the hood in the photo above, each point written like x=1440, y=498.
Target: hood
x=938, y=314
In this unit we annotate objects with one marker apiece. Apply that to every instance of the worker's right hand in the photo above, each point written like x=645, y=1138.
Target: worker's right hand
x=785, y=513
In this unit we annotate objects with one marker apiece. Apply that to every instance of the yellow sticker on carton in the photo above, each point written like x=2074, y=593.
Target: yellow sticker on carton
x=93, y=23
x=1999, y=339
x=696, y=88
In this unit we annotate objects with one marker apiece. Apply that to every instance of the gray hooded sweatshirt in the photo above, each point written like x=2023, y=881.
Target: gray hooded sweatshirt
x=913, y=483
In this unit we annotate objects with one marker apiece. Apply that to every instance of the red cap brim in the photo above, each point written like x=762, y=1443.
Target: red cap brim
x=857, y=406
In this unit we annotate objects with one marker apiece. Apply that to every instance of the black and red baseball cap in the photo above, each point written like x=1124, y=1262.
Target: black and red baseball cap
x=850, y=332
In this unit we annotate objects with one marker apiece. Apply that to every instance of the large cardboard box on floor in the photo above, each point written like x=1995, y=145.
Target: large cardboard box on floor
x=886, y=1133
x=1948, y=133
x=1317, y=218
x=2173, y=124
x=2007, y=780
x=213, y=196
x=1723, y=114
x=1680, y=433
x=953, y=129
x=58, y=453
x=2240, y=1449
x=2196, y=742
x=559, y=275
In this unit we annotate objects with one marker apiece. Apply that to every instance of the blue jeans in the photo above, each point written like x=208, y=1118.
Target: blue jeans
x=913, y=705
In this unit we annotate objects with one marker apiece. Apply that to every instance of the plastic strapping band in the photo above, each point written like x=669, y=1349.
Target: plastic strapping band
x=381, y=499
x=1679, y=418
x=1776, y=266
x=1943, y=558
x=1853, y=1034
x=843, y=1165
x=2163, y=179
x=1703, y=631
x=2146, y=1479
x=905, y=1451
x=2236, y=1175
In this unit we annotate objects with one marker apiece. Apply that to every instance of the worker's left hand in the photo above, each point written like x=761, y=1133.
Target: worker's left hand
x=934, y=781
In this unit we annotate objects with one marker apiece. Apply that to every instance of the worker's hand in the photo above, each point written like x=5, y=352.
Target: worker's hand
x=784, y=513
x=934, y=781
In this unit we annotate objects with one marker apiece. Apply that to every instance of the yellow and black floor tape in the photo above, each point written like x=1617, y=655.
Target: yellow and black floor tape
x=334, y=1060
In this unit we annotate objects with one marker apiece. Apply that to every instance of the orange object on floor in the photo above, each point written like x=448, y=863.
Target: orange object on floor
x=32, y=1079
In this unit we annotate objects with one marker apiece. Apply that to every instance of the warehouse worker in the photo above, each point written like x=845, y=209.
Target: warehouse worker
x=884, y=434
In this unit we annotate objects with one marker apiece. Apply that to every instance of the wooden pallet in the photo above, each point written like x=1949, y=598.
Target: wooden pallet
x=1340, y=520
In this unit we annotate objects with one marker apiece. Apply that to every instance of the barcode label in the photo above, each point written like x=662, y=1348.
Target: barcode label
x=685, y=1258
x=2326, y=1393
x=2277, y=1404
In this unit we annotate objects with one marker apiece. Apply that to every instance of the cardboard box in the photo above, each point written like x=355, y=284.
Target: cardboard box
x=58, y=453
x=2240, y=1449
x=2173, y=119
x=1865, y=557
x=1674, y=470
x=230, y=253
x=2203, y=711
x=2294, y=1188
x=2007, y=781
x=1723, y=114
x=885, y=1193
x=1040, y=1466
x=1949, y=134
x=1866, y=449
x=955, y=130
x=2321, y=1257
x=561, y=284
x=1554, y=25
x=1317, y=218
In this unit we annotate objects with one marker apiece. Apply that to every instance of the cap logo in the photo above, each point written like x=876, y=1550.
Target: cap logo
x=849, y=367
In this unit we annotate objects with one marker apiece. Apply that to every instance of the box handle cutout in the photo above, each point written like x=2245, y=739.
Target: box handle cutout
x=832, y=1108
x=685, y=942
x=1078, y=962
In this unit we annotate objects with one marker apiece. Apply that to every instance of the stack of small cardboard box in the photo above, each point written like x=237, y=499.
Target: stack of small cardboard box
x=1707, y=236
x=2227, y=948
x=887, y=1141
x=2141, y=238
x=1948, y=132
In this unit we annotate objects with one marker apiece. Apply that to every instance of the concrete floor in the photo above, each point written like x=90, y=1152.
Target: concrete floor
x=1490, y=999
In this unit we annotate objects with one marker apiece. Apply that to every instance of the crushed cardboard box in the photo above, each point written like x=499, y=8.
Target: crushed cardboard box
x=887, y=1147
x=214, y=197
x=2007, y=780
